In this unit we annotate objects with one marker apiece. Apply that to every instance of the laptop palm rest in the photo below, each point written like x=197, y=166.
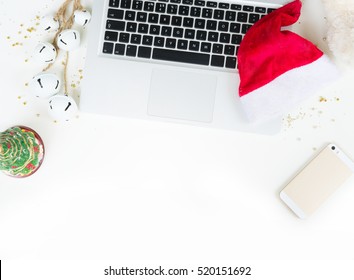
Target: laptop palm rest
x=182, y=95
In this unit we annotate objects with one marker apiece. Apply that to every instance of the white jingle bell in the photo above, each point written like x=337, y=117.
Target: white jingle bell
x=45, y=85
x=68, y=40
x=62, y=107
x=45, y=53
x=82, y=17
x=49, y=23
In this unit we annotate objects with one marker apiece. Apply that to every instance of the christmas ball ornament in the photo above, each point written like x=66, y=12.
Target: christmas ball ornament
x=45, y=53
x=62, y=107
x=68, y=40
x=49, y=23
x=45, y=85
x=21, y=151
x=82, y=17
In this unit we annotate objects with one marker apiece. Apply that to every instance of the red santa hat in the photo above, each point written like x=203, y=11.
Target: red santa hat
x=279, y=69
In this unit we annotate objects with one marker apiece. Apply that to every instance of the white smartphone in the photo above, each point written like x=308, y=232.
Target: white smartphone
x=317, y=181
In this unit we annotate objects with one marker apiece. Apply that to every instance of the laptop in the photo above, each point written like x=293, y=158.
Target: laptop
x=170, y=60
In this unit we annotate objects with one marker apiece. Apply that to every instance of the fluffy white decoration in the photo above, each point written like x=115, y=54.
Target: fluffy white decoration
x=340, y=17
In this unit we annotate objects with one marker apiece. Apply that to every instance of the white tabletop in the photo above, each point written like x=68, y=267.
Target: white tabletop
x=113, y=188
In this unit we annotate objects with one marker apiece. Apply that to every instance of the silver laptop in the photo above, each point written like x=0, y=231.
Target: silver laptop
x=170, y=60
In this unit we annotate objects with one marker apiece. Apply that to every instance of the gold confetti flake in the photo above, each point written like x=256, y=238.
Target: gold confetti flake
x=19, y=97
x=24, y=103
x=323, y=99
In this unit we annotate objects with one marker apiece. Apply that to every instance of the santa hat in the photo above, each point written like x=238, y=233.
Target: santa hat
x=279, y=69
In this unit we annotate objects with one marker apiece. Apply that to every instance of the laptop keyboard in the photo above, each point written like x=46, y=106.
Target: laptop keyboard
x=196, y=32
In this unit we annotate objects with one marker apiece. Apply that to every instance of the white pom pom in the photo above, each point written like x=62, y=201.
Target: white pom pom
x=45, y=85
x=68, y=40
x=62, y=107
x=82, y=17
x=45, y=53
x=49, y=23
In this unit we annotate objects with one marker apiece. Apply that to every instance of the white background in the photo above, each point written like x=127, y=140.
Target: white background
x=125, y=189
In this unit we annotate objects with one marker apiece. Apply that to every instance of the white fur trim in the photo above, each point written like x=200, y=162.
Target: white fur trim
x=288, y=90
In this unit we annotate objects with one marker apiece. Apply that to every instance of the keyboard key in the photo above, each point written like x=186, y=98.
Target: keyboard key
x=144, y=52
x=235, y=27
x=141, y=17
x=113, y=13
x=199, y=3
x=219, y=14
x=125, y=4
x=182, y=44
x=205, y=47
x=261, y=10
x=188, y=22
x=194, y=46
x=166, y=31
x=124, y=37
x=175, y=1
x=212, y=4
x=245, y=28
x=160, y=7
x=178, y=32
x=225, y=38
x=207, y=13
x=230, y=15
x=253, y=18
x=149, y=6
x=131, y=26
x=159, y=41
x=114, y=3
x=230, y=62
x=183, y=10
x=143, y=28
x=130, y=15
x=223, y=26
x=217, y=60
x=108, y=47
x=195, y=12
x=181, y=56
x=270, y=10
x=135, y=39
x=224, y=5
x=172, y=9
x=248, y=8
x=217, y=48
x=236, y=39
x=111, y=36
x=147, y=40
x=153, y=18
x=119, y=49
x=189, y=33
x=176, y=21
x=155, y=29
x=236, y=7
x=199, y=23
x=170, y=43
x=115, y=25
x=131, y=50
x=213, y=36
x=211, y=25
x=229, y=49
x=187, y=2
x=201, y=35
x=242, y=17
x=137, y=5
x=165, y=19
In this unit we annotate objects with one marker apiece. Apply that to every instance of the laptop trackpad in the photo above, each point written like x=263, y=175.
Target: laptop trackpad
x=182, y=95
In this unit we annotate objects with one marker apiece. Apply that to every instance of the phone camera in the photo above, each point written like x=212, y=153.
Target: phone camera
x=333, y=148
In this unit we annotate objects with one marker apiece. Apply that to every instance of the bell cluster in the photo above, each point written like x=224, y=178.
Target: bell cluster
x=48, y=85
